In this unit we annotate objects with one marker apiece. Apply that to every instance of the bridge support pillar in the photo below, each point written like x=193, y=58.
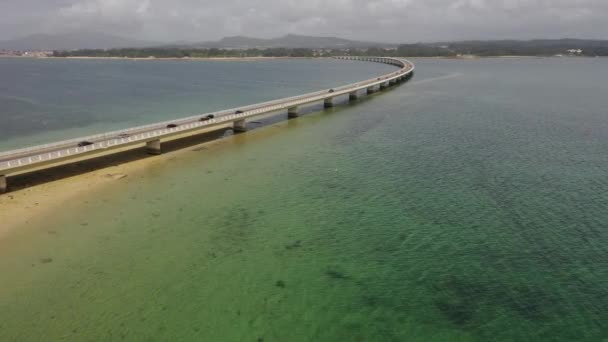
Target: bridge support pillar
x=3, y=184
x=383, y=85
x=293, y=112
x=370, y=90
x=153, y=147
x=328, y=103
x=240, y=126
x=393, y=81
x=353, y=96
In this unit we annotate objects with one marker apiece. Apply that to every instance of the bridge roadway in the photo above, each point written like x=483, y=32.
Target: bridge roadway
x=37, y=157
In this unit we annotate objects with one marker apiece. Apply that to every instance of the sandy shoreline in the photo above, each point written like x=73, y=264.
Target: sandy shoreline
x=19, y=207
x=225, y=59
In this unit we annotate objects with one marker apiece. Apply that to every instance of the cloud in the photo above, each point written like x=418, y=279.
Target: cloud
x=126, y=16
x=106, y=8
x=388, y=20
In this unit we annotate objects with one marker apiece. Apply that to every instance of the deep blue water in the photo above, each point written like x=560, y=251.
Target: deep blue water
x=47, y=100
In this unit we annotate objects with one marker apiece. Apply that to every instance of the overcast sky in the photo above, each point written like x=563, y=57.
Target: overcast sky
x=380, y=20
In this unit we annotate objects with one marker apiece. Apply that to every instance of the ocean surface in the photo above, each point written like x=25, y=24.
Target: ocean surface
x=470, y=204
x=44, y=101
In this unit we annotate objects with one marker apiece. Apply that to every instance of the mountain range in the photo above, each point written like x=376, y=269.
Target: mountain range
x=289, y=41
x=96, y=40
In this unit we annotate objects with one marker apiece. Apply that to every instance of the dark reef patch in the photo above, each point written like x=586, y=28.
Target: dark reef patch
x=336, y=274
x=295, y=244
x=457, y=311
x=46, y=260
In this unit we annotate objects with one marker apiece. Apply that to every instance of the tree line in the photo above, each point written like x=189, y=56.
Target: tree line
x=476, y=48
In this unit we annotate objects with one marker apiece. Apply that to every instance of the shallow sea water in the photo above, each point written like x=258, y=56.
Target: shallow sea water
x=467, y=205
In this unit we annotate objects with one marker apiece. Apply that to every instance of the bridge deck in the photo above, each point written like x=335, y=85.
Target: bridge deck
x=39, y=156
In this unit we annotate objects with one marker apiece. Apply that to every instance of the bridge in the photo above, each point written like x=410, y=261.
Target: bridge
x=44, y=156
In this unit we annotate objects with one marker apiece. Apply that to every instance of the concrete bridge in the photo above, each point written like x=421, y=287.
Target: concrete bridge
x=44, y=156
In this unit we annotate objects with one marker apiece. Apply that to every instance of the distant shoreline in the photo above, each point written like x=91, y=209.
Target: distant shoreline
x=261, y=58
x=168, y=58
x=184, y=59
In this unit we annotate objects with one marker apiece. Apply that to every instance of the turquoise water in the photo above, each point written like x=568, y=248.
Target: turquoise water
x=467, y=205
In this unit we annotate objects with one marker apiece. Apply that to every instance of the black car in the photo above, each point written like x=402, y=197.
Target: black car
x=204, y=119
x=171, y=125
x=331, y=91
x=84, y=143
x=238, y=112
x=210, y=116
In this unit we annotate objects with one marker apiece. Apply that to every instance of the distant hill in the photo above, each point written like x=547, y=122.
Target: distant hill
x=290, y=41
x=535, y=47
x=71, y=41
x=296, y=43
x=96, y=40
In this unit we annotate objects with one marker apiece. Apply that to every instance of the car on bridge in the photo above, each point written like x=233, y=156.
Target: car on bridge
x=84, y=143
x=208, y=117
x=238, y=112
x=171, y=125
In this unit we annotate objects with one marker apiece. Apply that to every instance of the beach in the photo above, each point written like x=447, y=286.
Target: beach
x=39, y=193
